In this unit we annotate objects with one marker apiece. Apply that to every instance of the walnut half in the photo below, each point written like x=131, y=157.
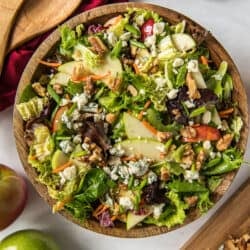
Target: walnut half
x=224, y=142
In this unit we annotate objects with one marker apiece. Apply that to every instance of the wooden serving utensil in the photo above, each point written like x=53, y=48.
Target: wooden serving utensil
x=36, y=17
x=233, y=218
x=8, y=10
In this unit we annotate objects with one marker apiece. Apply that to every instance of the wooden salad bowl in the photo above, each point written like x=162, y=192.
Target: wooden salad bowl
x=100, y=15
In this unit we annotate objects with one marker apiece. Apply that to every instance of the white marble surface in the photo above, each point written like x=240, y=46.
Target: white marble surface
x=229, y=21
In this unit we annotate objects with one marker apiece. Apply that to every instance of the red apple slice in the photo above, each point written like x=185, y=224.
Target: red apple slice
x=13, y=195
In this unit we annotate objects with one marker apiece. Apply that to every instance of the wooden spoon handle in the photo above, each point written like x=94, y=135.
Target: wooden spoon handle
x=8, y=10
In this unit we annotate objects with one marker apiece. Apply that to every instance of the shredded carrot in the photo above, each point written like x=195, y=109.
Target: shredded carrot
x=204, y=60
x=225, y=113
x=149, y=127
x=140, y=116
x=60, y=204
x=50, y=64
x=114, y=217
x=147, y=104
x=32, y=157
x=92, y=77
x=62, y=167
x=100, y=209
x=135, y=66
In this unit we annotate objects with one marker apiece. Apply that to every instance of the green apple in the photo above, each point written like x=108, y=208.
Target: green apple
x=28, y=240
x=13, y=195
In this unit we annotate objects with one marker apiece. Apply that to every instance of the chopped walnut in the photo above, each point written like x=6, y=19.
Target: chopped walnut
x=188, y=132
x=115, y=84
x=96, y=156
x=154, y=69
x=191, y=200
x=176, y=113
x=95, y=152
x=110, y=118
x=97, y=45
x=163, y=136
x=238, y=243
x=224, y=142
x=162, y=155
x=87, y=140
x=188, y=155
x=193, y=91
x=132, y=90
x=164, y=174
x=127, y=61
x=200, y=159
x=133, y=51
x=58, y=88
x=39, y=89
x=89, y=86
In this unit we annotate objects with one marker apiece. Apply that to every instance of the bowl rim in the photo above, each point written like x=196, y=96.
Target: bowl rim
x=48, y=44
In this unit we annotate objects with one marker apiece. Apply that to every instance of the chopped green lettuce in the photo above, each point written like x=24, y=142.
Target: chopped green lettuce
x=118, y=28
x=186, y=187
x=173, y=215
x=42, y=146
x=236, y=126
x=95, y=186
x=27, y=94
x=204, y=202
x=32, y=108
x=68, y=40
x=145, y=13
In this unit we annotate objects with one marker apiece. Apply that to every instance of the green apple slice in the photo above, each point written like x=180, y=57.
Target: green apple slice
x=60, y=78
x=183, y=42
x=135, y=129
x=133, y=219
x=58, y=159
x=148, y=148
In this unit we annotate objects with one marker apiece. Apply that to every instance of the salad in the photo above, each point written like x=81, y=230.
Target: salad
x=131, y=121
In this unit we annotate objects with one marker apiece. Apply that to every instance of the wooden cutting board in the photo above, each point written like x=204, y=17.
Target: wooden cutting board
x=233, y=218
x=36, y=17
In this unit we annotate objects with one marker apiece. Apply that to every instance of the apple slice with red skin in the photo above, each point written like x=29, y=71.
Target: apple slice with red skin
x=13, y=195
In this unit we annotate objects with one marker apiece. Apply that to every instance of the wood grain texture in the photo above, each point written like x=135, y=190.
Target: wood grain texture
x=233, y=218
x=8, y=10
x=100, y=15
x=36, y=17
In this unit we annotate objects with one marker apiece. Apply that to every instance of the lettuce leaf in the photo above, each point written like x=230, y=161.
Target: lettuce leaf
x=173, y=214
x=42, y=147
x=204, y=202
x=68, y=40
x=145, y=13
x=32, y=108
x=186, y=187
x=95, y=186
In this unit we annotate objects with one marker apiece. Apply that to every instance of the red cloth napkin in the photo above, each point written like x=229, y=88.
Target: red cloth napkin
x=16, y=60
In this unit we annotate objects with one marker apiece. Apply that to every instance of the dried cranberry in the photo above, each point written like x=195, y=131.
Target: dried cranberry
x=177, y=104
x=153, y=194
x=105, y=219
x=207, y=97
x=147, y=29
x=183, y=94
x=95, y=28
